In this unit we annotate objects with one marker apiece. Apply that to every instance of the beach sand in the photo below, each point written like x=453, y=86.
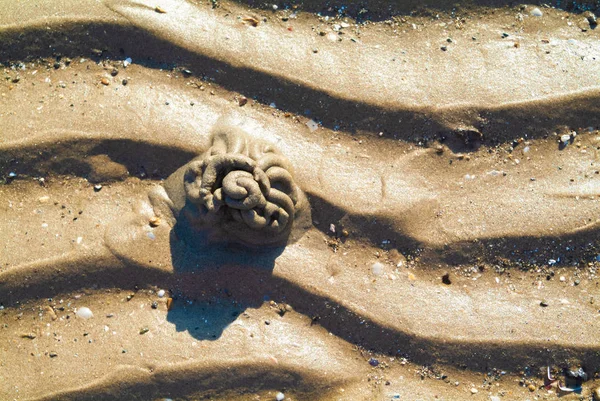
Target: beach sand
x=445, y=242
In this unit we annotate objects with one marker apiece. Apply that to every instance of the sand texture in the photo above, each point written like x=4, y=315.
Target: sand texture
x=226, y=200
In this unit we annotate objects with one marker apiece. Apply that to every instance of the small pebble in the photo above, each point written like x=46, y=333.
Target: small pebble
x=373, y=362
x=53, y=355
x=565, y=138
x=124, y=82
x=97, y=187
x=144, y=330
x=154, y=305
x=377, y=268
x=446, y=279
x=126, y=62
x=531, y=387
x=280, y=396
x=544, y=303
x=104, y=81
x=160, y=293
x=474, y=390
x=312, y=125
x=536, y=12
x=242, y=101
x=84, y=313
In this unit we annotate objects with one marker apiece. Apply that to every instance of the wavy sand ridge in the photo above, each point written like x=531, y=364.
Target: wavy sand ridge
x=478, y=86
x=421, y=154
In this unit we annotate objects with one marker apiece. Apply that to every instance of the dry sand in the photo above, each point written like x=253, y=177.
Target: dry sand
x=449, y=159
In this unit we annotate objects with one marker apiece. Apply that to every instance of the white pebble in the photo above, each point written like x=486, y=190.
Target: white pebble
x=474, y=390
x=536, y=12
x=563, y=279
x=280, y=396
x=377, y=269
x=275, y=7
x=565, y=138
x=126, y=62
x=160, y=293
x=312, y=125
x=84, y=313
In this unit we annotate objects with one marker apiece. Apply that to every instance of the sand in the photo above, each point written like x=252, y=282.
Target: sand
x=418, y=216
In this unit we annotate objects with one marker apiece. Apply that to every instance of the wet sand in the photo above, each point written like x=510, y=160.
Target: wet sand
x=449, y=159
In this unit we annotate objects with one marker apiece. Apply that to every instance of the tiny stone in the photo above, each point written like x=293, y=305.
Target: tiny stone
x=114, y=72
x=154, y=305
x=280, y=396
x=544, y=303
x=562, y=279
x=144, y=330
x=242, y=101
x=160, y=293
x=53, y=355
x=124, y=82
x=84, y=313
x=444, y=48
x=275, y=7
x=536, y=12
x=377, y=269
x=104, y=81
x=531, y=387
x=373, y=362
x=474, y=390
x=446, y=279
x=97, y=187
x=565, y=138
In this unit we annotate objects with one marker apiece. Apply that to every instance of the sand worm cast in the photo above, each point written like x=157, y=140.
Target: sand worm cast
x=241, y=188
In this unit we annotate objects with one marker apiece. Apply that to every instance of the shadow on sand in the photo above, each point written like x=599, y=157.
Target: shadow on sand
x=216, y=281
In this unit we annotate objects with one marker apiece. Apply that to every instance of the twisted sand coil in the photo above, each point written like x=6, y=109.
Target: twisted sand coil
x=243, y=186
